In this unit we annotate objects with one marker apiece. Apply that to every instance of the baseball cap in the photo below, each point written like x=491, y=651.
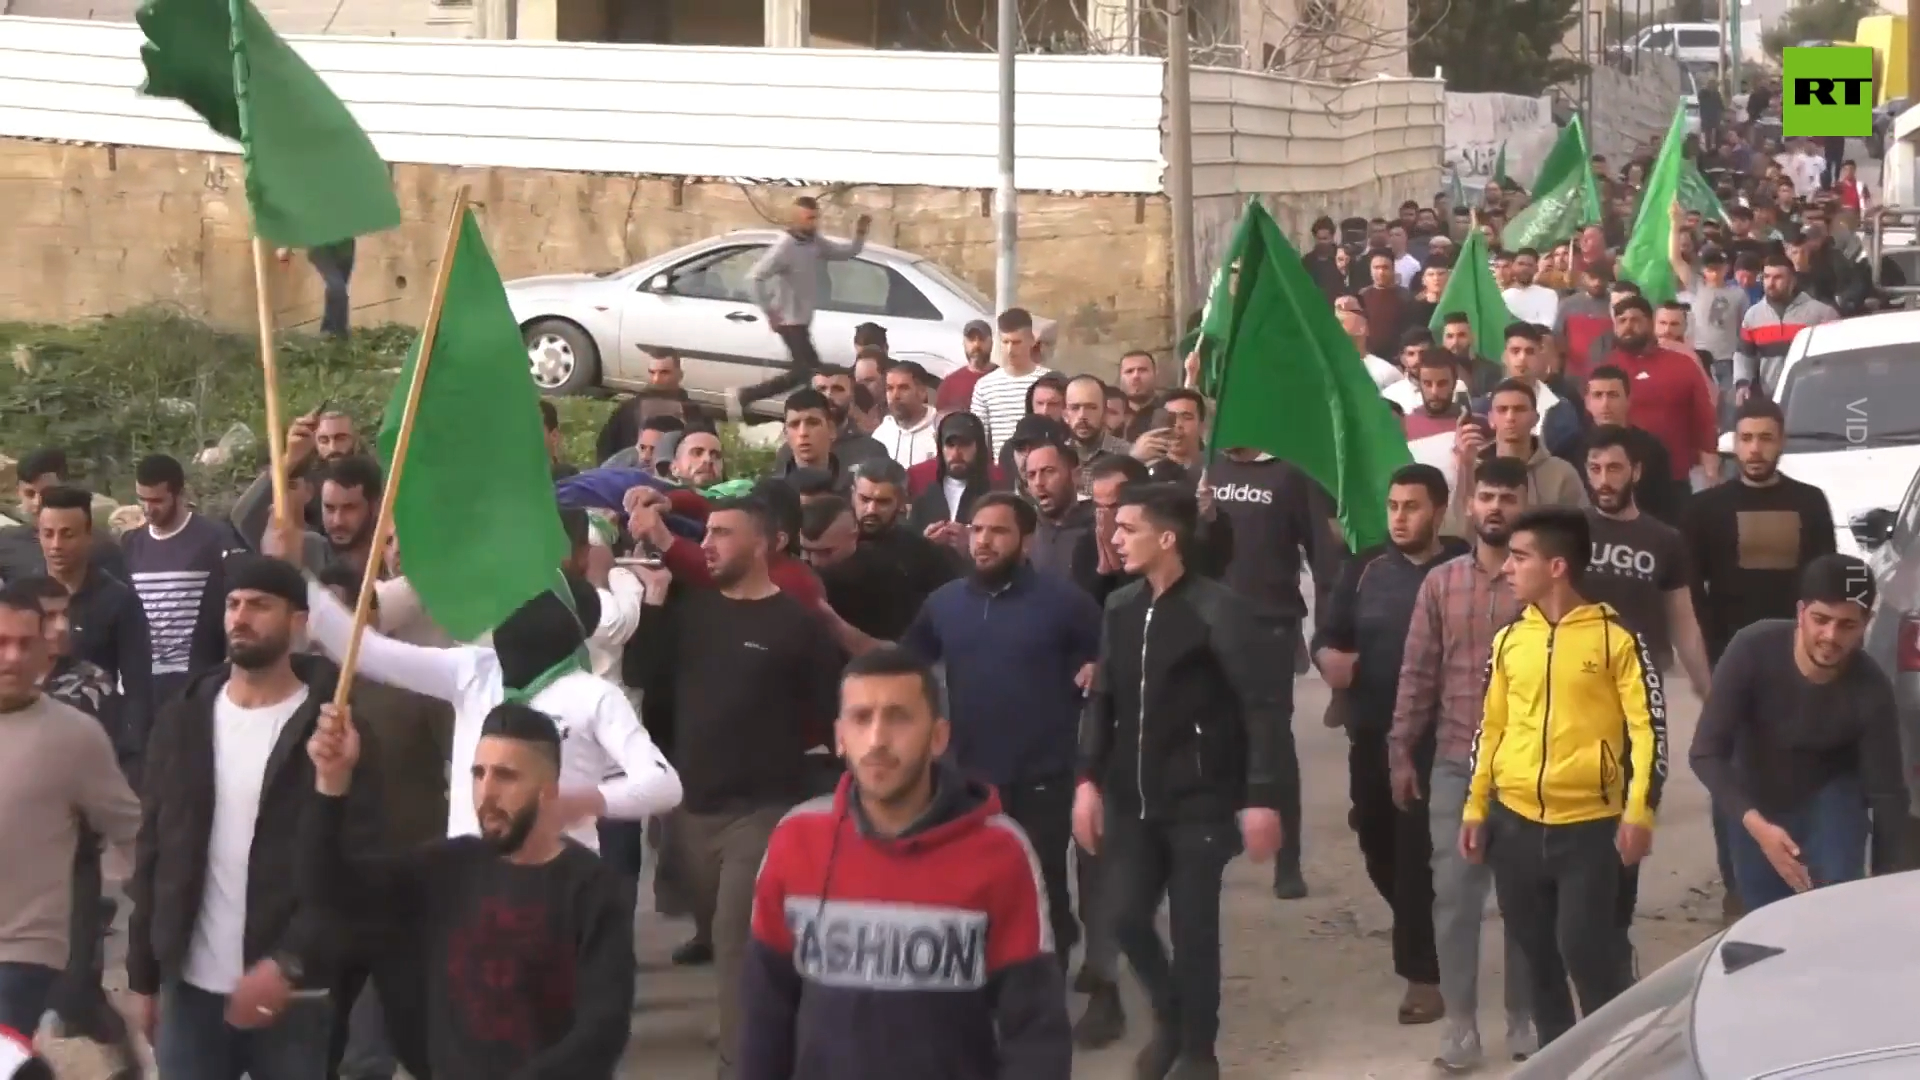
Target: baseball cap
x=978, y=328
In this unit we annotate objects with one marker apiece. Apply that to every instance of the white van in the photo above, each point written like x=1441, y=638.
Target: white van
x=1690, y=43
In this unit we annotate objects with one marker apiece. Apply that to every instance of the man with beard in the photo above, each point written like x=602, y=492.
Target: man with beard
x=879, y=504
x=787, y=284
x=1584, y=317
x=1671, y=397
x=863, y=586
x=1320, y=261
x=1609, y=404
x=1018, y=647
x=944, y=489
x=1385, y=303
x=1086, y=422
x=528, y=936
x=1140, y=383
x=956, y=389
x=229, y=958
x=1440, y=406
x=1770, y=326
x=1461, y=605
x=913, y=850
x=1065, y=520
x=750, y=678
x=349, y=502
x=1530, y=303
x=699, y=461
x=908, y=432
x=1799, y=739
x=1747, y=542
x=1357, y=646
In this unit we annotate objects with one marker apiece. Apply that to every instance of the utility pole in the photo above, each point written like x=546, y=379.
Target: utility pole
x=1733, y=40
x=1006, y=209
x=1179, y=181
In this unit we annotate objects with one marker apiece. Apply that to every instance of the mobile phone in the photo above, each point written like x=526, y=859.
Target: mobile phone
x=1162, y=420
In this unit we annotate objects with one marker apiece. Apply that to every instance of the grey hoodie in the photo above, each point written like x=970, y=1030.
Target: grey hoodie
x=790, y=278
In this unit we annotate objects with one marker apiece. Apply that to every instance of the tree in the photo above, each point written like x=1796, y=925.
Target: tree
x=1818, y=20
x=1494, y=46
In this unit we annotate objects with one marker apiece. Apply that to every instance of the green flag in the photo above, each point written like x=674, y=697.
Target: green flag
x=475, y=516
x=1291, y=383
x=1472, y=290
x=313, y=178
x=1646, y=261
x=1500, y=170
x=1456, y=192
x=1697, y=195
x=1565, y=196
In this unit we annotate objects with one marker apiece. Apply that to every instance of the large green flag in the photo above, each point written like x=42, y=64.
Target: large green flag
x=1500, y=170
x=313, y=178
x=1565, y=196
x=475, y=515
x=1647, y=261
x=1697, y=195
x=1291, y=384
x=1472, y=290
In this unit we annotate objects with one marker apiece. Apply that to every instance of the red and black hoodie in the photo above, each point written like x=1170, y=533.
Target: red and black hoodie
x=925, y=955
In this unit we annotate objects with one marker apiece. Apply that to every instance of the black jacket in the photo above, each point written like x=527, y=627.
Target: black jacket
x=931, y=506
x=20, y=556
x=1212, y=552
x=1189, y=715
x=176, y=820
x=1368, y=613
x=109, y=630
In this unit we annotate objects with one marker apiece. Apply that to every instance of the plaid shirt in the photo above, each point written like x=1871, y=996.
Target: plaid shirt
x=1443, y=673
x=1108, y=444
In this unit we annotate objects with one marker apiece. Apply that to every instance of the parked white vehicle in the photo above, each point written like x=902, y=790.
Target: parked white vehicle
x=1851, y=394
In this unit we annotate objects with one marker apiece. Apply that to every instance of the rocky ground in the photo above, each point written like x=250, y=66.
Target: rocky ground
x=1309, y=985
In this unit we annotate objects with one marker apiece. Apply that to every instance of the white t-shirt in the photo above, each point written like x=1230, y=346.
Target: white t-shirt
x=1383, y=373
x=600, y=735
x=953, y=488
x=1405, y=393
x=1535, y=304
x=243, y=740
x=1000, y=401
x=1407, y=268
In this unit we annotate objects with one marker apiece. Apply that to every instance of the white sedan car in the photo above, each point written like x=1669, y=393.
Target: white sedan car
x=1851, y=394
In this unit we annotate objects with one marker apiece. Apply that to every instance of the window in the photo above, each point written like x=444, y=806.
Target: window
x=906, y=302
x=857, y=286
x=1857, y=400
x=1699, y=39
x=720, y=275
x=1908, y=524
x=1658, y=39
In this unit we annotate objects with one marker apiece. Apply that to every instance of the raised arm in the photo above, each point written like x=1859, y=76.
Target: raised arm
x=440, y=673
x=650, y=785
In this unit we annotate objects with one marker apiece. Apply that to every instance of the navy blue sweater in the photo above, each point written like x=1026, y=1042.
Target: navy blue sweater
x=1011, y=656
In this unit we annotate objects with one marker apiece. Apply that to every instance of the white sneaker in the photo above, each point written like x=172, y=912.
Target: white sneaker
x=1460, y=1049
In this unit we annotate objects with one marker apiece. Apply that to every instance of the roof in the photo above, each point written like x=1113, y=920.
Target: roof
x=1842, y=985
x=1864, y=332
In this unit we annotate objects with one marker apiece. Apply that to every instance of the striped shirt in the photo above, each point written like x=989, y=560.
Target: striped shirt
x=172, y=574
x=1000, y=401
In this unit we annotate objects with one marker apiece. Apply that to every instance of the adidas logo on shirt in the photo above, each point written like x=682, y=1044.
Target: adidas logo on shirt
x=1243, y=493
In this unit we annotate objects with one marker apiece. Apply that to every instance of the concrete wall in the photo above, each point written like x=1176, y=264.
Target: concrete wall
x=1630, y=110
x=94, y=230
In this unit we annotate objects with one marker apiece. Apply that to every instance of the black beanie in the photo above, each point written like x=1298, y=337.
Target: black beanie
x=261, y=573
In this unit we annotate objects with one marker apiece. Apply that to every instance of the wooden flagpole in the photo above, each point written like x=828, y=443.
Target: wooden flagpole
x=270, y=374
x=383, y=525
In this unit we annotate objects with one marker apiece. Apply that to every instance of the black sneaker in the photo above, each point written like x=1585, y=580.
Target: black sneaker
x=695, y=953
x=1196, y=1068
x=1104, y=1022
x=1288, y=884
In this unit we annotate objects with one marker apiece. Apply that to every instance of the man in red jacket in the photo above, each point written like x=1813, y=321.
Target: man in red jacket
x=1670, y=399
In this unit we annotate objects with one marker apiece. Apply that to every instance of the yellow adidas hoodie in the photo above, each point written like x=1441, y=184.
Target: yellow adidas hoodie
x=1568, y=705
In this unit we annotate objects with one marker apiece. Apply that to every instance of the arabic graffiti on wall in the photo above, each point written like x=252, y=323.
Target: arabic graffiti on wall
x=1479, y=124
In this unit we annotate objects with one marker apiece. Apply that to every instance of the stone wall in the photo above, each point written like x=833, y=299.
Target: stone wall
x=93, y=230
x=1629, y=110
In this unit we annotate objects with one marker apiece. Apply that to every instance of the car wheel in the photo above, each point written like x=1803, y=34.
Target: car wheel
x=562, y=357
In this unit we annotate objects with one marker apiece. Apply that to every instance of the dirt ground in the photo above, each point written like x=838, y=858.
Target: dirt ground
x=1309, y=991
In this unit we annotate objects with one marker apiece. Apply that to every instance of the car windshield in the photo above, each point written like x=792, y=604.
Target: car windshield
x=952, y=281
x=1855, y=400
x=1644, y=1034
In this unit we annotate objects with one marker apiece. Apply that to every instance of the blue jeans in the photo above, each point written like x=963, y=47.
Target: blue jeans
x=1831, y=829
x=334, y=264
x=24, y=992
x=194, y=1042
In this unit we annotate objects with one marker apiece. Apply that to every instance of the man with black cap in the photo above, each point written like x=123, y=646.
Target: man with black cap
x=229, y=960
x=536, y=658
x=528, y=936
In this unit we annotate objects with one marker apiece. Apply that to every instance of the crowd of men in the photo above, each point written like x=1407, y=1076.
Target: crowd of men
x=989, y=667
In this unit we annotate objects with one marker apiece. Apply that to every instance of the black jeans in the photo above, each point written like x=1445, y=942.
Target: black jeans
x=623, y=847
x=398, y=979
x=334, y=264
x=1559, y=891
x=806, y=361
x=1044, y=811
x=1397, y=847
x=1287, y=631
x=1183, y=862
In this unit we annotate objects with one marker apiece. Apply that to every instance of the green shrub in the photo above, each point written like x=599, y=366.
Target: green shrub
x=151, y=381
